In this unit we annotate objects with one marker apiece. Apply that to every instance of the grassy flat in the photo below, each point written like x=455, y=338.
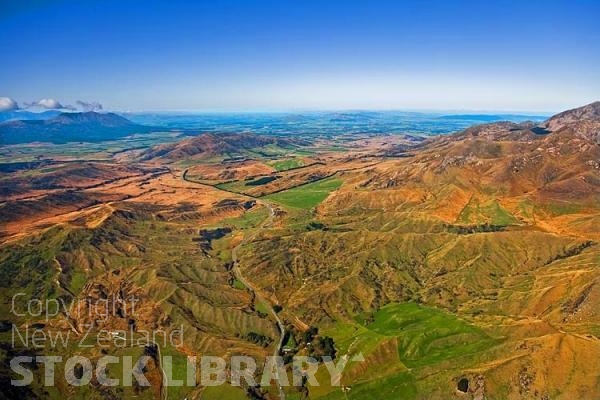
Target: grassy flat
x=249, y=219
x=422, y=337
x=284, y=165
x=427, y=335
x=306, y=196
x=223, y=392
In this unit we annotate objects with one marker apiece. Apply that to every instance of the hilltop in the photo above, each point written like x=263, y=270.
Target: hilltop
x=583, y=122
x=557, y=160
x=576, y=115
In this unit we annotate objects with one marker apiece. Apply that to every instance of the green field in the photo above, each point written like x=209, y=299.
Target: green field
x=425, y=337
x=234, y=186
x=178, y=366
x=223, y=392
x=238, y=284
x=306, y=196
x=284, y=165
x=250, y=219
x=261, y=307
x=491, y=212
x=400, y=386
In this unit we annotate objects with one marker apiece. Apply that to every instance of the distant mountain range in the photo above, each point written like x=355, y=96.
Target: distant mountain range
x=63, y=127
x=27, y=115
x=69, y=127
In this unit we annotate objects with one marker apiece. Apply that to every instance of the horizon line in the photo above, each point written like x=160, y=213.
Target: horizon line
x=304, y=110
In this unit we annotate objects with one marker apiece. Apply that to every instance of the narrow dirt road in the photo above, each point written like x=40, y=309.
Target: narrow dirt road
x=239, y=276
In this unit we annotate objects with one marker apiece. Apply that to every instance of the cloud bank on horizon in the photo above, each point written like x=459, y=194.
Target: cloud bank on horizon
x=10, y=104
x=48, y=104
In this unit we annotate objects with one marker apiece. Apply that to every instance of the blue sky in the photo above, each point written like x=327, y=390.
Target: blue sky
x=276, y=55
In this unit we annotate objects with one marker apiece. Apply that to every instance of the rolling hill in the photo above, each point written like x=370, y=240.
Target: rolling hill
x=496, y=225
x=208, y=145
x=460, y=266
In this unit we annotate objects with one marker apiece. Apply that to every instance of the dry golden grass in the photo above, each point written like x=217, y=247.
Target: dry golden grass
x=495, y=227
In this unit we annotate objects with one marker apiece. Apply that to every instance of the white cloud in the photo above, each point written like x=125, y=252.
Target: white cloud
x=53, y=104
x=8, y=104
x=49, y=104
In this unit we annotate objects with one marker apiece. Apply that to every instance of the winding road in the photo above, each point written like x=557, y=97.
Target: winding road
x=239, y=276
